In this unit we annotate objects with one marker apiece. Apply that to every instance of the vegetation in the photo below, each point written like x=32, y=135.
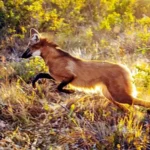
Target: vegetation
x=41, y=118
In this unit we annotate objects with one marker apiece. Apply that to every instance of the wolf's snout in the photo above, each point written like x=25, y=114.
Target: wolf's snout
x=26, y=54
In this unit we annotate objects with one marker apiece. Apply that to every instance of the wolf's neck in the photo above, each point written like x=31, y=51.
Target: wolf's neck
x=49, y=54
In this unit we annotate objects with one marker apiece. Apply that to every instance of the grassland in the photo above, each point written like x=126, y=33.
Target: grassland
x=45, y=119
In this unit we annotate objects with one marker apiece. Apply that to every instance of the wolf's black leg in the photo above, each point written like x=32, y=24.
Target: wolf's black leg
x=63, y=84
x=39, y=76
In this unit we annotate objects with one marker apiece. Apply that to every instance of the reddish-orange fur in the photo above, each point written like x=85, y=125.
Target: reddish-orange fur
x=114, y=80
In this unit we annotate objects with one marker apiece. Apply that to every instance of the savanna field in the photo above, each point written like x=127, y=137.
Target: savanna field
x=42, y=118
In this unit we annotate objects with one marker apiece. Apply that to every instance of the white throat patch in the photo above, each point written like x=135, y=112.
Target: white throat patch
x=36, y=53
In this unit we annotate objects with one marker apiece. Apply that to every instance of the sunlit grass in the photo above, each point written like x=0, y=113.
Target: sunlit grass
x=45, y=119
x=13, y=94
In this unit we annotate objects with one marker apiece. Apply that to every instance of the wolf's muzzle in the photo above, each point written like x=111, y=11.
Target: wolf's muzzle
x=27, y=54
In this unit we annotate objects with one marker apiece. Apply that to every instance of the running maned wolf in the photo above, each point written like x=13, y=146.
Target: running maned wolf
x=112, y=80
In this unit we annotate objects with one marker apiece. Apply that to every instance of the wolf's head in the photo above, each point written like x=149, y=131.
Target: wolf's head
x=33, y=48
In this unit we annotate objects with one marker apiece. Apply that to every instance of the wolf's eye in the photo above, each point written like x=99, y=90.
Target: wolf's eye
x=36, y=38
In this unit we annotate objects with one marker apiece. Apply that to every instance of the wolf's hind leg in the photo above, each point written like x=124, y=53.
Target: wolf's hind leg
x=107, y=94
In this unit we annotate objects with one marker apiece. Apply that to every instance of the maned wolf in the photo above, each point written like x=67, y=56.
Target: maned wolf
x=113, y=80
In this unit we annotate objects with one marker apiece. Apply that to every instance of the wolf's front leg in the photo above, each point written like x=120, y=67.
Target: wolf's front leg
x=41, y=76
x=63, y=84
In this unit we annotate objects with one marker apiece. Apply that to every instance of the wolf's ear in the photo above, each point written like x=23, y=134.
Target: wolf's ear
x=34, y=36
x=33, y=31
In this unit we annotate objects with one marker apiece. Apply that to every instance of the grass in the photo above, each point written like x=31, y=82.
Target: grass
x=44, y=119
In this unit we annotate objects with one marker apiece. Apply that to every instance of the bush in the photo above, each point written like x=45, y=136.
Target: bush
x=27, y=69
